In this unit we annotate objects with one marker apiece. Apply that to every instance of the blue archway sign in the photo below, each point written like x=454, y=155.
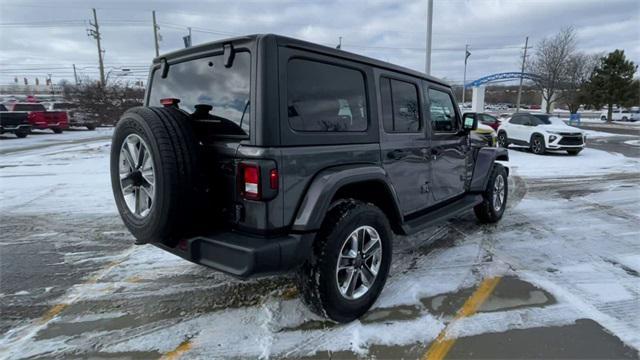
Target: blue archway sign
x=500, y=77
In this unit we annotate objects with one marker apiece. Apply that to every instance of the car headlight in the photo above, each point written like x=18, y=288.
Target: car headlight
x=553, y=132
x=552, y=138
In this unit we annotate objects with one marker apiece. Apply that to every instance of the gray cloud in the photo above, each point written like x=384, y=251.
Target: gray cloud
x=37, y=35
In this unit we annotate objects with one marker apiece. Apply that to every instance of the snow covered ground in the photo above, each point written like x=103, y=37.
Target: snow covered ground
x=569, y=238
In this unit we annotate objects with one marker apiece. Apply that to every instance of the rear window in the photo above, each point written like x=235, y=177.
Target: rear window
x=28, y=107
x=325, y=97
x=62, y=106
x=205, y=83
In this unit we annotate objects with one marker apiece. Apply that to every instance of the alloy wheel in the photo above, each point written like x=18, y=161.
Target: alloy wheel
x=359, y=262
x=498, y=193
x=137, y=175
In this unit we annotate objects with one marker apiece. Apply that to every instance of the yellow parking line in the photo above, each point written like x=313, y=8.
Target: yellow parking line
x=58, y=308
x=440, y=346
x=178, y=351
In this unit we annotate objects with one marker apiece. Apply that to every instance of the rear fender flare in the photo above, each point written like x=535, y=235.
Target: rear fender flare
x=325, y=185
x=485, y=160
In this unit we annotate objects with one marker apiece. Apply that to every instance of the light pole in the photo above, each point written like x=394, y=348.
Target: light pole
x=427, y=65
x=464, y=77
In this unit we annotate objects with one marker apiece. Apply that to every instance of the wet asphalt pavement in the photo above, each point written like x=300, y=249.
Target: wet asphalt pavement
x=566, y=253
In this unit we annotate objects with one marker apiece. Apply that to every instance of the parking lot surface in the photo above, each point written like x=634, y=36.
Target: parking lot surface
x=558, y=277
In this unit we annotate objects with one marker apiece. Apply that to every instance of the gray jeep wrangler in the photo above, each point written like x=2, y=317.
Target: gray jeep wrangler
x=264, y=154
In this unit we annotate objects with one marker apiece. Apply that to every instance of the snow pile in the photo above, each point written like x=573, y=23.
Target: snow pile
x=561, y=165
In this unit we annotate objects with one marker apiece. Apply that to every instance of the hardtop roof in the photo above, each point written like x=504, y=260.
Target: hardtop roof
x=306, y=45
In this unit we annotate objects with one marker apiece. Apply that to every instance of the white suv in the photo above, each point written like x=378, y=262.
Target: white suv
x=621, y=115
x=540, y=133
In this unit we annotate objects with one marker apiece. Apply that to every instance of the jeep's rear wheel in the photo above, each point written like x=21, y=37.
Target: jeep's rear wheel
x=494, y=202
x=153, y=174
x=57, y=130
x=352, y=255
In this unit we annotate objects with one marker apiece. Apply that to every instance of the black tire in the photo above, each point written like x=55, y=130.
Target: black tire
x=57, y=130
x=624, y=118
x=174, y=209
x=317, y=278
x=22, y=134
x=91, y=127
x=603, y=118
x=503, y=140
x=486, y=211
x=537, y=144
x=574, y=152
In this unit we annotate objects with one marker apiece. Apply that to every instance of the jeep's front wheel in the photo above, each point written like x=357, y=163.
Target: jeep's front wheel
x=494, y=201
x=350, y=264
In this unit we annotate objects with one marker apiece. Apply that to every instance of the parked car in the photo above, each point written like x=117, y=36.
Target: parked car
x=264, y=154
x=489, y=120
x=76, y=118
x=540, y=134
x=15, y=122
x=483, y=136
x=40, y=118
x=621, y=115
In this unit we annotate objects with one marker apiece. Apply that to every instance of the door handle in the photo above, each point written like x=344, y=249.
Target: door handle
x=397, y=154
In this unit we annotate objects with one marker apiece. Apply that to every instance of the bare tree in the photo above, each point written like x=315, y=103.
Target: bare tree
x=580, y=66
x=551, y=62
x=104, y=103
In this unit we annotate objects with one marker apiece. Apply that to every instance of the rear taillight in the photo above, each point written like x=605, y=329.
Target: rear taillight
x=169, y=102
x=274, y=179
x=250, y=181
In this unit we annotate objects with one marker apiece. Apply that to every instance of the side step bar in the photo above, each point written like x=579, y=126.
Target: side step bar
x=441, y=214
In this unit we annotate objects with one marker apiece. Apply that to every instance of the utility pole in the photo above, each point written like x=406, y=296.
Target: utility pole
x=95, y=33
x=75, y=75
x=524, y=59
x=339, y=43
x=427, y=65
x=155, y=33
x=464, y=77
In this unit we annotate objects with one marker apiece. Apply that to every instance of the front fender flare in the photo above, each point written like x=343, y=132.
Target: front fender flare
x=326, y=184
x=485, y=159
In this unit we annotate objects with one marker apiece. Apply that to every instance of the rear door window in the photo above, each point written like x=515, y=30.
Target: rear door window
x=400, y=106
x=324, y=97
x=205, y=83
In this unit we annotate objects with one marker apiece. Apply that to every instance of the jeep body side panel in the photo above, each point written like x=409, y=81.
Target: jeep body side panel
x=326, y=184
x=405, y=155
x=483, y=165
x=450, y=150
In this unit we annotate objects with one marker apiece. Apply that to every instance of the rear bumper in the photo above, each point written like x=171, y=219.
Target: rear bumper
x=14, y=128
x=45, y=125
x=246, y=255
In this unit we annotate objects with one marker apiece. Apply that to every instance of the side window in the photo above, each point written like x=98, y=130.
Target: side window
x=442, y=111
x=325, y=97
x=516, y=120
x=400, y=106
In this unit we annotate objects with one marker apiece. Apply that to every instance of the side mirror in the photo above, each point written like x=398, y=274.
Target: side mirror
x=469, y=122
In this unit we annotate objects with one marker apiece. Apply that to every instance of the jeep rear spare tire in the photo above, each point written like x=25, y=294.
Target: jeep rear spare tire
x=153, y=173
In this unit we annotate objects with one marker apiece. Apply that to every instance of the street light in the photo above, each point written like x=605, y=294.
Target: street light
x=123, y=72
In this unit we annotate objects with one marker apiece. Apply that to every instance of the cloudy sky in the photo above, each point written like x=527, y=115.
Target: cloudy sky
x=46, y=37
